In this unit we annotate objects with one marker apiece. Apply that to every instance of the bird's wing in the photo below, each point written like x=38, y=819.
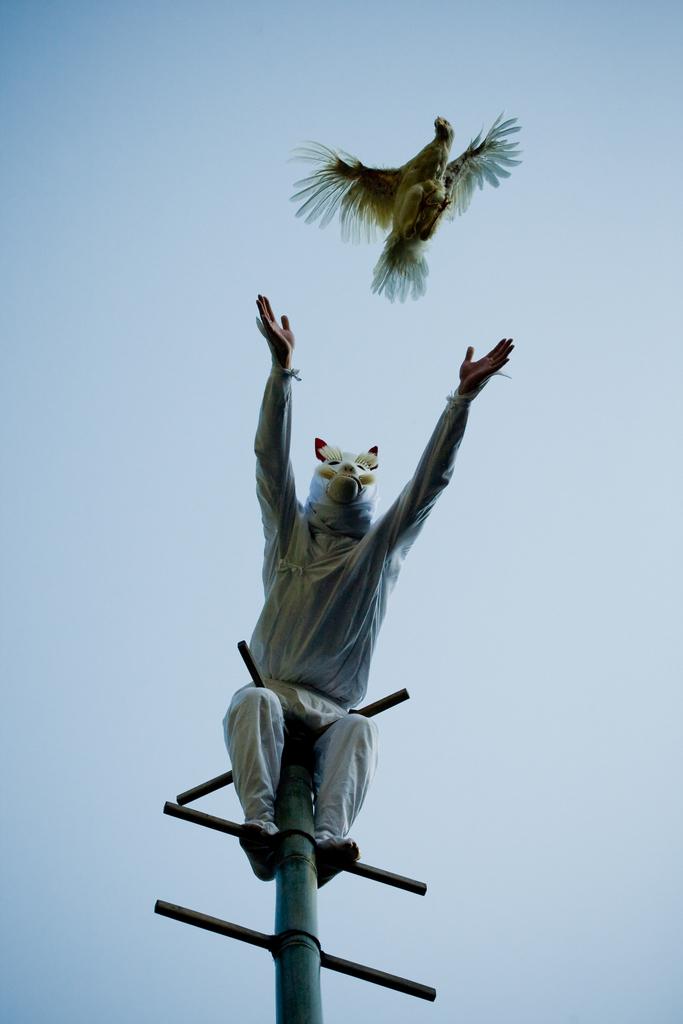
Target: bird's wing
x=363, y=195
x=484, y=160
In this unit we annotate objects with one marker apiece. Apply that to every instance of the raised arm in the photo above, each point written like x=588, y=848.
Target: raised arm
x=274, y=476
x=404, y=519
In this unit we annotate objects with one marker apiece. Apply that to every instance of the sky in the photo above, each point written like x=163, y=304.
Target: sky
x=533, y=779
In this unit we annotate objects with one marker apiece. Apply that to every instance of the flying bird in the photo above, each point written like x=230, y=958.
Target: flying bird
x=409, y=201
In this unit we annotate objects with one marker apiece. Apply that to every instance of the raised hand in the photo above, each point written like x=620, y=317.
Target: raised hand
x=473, y=373
x=280, y=338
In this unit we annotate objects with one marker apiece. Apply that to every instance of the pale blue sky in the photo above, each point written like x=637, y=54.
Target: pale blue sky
x=534, y=778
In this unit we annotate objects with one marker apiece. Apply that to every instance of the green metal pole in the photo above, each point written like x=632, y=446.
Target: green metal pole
x=297, y=950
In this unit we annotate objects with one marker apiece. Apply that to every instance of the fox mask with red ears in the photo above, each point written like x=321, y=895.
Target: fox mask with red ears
x=343, y=489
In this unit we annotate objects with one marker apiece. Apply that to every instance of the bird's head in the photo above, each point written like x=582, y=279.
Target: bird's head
x=443, y=129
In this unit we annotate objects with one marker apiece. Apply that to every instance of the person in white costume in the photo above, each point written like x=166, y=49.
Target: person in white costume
x=328, y=571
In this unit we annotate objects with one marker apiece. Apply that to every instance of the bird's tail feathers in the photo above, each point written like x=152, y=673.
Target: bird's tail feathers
x=401, y=270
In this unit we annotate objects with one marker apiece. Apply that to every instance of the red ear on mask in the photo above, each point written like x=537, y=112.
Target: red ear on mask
x=374, y=449
x=319, y=444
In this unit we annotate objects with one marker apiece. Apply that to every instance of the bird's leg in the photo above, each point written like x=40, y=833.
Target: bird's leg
x=428, y=223
x=407, y=214
x=433, y=206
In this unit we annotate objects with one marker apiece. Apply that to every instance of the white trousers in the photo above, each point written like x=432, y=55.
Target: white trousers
x=345, y=753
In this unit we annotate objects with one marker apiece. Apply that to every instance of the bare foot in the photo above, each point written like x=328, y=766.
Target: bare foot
x=260, y=829
x=338, y=850
x=257, y=841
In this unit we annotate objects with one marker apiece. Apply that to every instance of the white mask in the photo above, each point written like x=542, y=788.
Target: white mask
x=343, y=493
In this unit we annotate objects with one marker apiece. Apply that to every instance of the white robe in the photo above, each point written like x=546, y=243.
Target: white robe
x=327, y=574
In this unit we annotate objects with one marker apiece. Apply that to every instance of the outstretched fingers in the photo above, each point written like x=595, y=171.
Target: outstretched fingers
x=503, y=348
x=262, y=310
x=265, y=310
x=269, y=319
x=501, y=353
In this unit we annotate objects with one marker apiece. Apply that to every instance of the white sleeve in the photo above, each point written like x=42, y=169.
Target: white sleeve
x=397, y=529
x=274, y=475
